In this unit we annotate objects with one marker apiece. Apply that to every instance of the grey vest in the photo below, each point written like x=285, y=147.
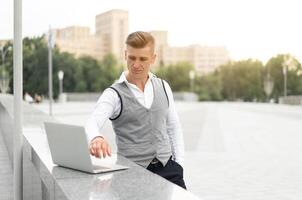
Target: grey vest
x=141, y=133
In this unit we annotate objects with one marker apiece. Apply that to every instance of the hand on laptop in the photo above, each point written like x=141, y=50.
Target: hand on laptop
x=99, y=147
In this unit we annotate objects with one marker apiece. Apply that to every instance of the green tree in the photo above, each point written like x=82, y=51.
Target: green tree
x=68, y=64
x=8, y=65
x=92, y=75
x=84, y=74
x=88, y=75
x=111, y=70
x=275, y=68
x=242, y=80
x=208, y=87
x=176, y=75
x=35, y=66
x=234, y=80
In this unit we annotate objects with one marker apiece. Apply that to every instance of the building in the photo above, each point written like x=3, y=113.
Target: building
x=3, y=42
x=161, y=42
x=111, y=30
x=112, y=27
x=78, y=41
x=208, y=58
x=205, y=59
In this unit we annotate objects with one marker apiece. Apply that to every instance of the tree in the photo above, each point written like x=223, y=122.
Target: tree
x=92, y=75
x=69, y=65
x=111, y=70
x=232, y=81
x=177, y=75
x=35, y=66
x=8, y=65
x=275, y=68
x=84, y=74
x=242, y=80
x=209, y=87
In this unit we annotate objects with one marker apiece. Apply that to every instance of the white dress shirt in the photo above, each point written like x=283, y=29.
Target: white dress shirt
x=109, y=106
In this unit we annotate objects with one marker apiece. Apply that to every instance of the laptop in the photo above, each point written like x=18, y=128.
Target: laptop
x=69, y=148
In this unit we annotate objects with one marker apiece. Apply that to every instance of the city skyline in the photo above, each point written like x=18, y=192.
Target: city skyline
x=110, y=35
x=256, y=29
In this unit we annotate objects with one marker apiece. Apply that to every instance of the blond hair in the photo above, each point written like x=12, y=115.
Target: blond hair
x=140, y=39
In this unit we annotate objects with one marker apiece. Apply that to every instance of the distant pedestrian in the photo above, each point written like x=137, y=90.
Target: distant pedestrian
x=38, y=98
x=28, y=98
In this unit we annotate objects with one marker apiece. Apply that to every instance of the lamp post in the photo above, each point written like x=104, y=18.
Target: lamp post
x=268, y=85
x=288, y=64
x=284, y=69
x=50, y=47
x=192, y=76
x=4, y=79
x=60, y=76
x=18, y=108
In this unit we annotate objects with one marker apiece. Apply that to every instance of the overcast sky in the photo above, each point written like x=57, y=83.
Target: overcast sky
x=258, y=29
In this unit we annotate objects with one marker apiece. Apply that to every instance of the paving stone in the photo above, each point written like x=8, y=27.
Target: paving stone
x=234, y=151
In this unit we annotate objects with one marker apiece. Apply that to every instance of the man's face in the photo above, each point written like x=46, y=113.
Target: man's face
x=139, y=61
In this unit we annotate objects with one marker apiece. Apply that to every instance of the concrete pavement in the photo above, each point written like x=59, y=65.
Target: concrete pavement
x=6, y=173
x=233, y=150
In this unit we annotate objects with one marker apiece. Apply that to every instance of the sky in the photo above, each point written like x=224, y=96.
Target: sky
x=257, y=29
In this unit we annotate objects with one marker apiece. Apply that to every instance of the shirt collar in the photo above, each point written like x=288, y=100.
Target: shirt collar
x=124, y=79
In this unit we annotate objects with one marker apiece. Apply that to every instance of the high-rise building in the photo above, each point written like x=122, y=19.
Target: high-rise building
x=112, y=27
x=111, y=30
x=161, y=42
x=79, y=41
x=205, y=59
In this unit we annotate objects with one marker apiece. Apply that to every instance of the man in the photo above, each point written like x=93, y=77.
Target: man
x=142, y=111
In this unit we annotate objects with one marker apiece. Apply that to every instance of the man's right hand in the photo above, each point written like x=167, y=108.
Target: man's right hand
x=99, y=147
